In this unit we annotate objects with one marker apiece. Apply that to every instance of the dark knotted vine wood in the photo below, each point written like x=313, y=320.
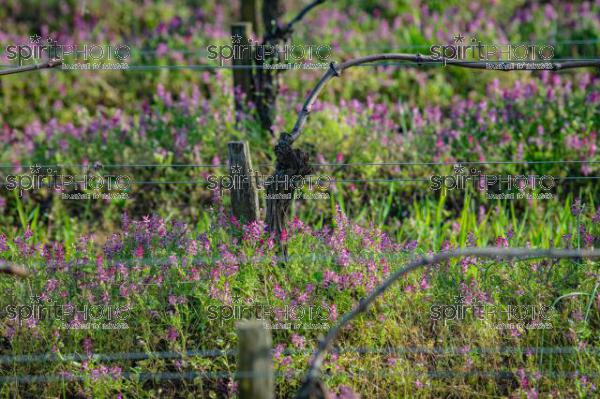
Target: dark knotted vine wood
x=255, y=368
x=280, y=191
x=244, y=194
x=312, y=387
x=276, y=35
x=249, y=13
x=266, y=81
x=242, y=75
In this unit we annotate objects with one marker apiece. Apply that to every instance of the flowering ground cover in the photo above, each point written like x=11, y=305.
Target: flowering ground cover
x=139, y=295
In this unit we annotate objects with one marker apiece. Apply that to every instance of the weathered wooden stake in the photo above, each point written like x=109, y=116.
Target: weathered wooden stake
x=244, y=194
x=242, y=58
x=255, y=369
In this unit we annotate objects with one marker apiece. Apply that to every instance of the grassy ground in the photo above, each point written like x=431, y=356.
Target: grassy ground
x=173, y=264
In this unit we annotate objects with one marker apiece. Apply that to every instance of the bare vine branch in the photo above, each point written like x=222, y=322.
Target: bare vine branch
x=311, y=385
x=302, y=13
x=6, y=268
x=277, y=209
x=284, y=32
x=336, y=70
x=43, y=65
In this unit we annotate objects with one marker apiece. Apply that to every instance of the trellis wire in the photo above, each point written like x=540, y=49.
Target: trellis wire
x=211, y=260
x=381, y=47
x=152, y=51
x=440, y=63
x=207, y=375
x=392, y=163
x=210, y=353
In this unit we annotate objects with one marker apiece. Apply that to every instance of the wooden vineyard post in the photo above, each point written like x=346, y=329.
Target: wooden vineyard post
x=255, y=369
x=244, y=194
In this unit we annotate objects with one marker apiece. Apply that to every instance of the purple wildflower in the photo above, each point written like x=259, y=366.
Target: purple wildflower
x=298, y=341
x=577, y=207
x=172, y=334
x=88, y=346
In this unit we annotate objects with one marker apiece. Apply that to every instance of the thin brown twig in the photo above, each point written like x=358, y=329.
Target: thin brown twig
x=6, y=268
x=44, y=65
x=311, y=380
x=336, y=70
